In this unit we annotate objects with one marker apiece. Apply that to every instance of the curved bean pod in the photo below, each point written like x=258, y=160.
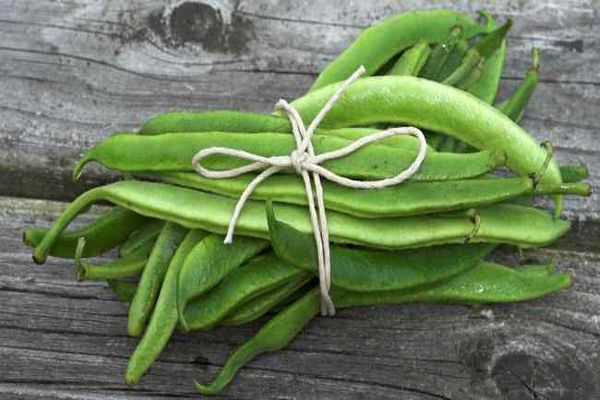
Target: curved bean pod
x=412, y=60
x=123, y=267
x=257, y=277
x=195, y=209
x=437, y=107
x=164, y=318
x=147, y=233
x=514, y=107
x=208, y=263
x=106, y=232
x=382, y=41
x=572, y=173
x=153, y=276
x=174, y=152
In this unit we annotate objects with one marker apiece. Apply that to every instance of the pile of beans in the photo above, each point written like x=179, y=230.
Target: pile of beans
x=425, y=240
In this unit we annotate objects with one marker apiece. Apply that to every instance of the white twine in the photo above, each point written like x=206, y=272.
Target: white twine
x=304, y=161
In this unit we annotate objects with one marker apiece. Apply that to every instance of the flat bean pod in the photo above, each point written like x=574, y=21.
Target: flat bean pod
x=195, y=209
x=164, y=318
x=153, y=276
x=208, y=263
x=372, y=270
x=123, y=267
x=409, y=198
x=257, y=277
x=260, y=305
x=380, y=42
x=440, y=54
x=174, y=152
x=514, y=107
x=412, y=60
x=106, y=232
x=572, y=173
x=437, y=107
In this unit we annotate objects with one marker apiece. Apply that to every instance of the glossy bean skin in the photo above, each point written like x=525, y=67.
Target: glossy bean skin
x=483, y=284
x=208, y=263
x=164, y=318
x=526, y=226
x=273, y=336
x=260, y=305
x=257, y=277
x=174, y=152
x=371, y=270
x=407, y=199
x=437, y=107
x=380, y=42
x=412, y=60
x=123, y=267
x=153, y=276
x=106, y=232
x=147, y=233
x=514, y=107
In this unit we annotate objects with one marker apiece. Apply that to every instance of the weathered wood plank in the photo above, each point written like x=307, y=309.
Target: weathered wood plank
x=63, y=338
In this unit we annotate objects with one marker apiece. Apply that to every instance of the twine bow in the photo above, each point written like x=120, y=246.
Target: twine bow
x=304, y=161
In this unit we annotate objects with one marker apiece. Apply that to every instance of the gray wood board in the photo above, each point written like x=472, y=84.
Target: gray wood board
x=71, y=72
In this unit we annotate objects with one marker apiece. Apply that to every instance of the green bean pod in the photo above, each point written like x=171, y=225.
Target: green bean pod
x=208, y=263
x=371, y=270
x=453, y=60
x=485, y=283
x=437, y=107
x=125, y=290
x=514, y=107
x=174, y=152
x=412, y=60
x=164, y=318
x=123, y=267
x=406, y=199
x=440, y=53
x=147, y=233
x=106, y=232
x=153, y=276
x=195, y=209
x=260, y=305
x=572, y=173
x=382, y=41
x=257, y=277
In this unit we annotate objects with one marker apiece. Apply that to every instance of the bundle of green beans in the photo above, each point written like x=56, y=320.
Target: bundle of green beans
x=425, y=240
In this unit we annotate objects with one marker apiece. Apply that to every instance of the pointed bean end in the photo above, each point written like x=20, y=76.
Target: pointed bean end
x=207, y=390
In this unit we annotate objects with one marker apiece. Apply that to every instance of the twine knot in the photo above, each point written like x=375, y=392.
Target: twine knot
x=304, y=161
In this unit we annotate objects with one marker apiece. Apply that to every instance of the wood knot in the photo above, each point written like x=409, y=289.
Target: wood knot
x=215, y=28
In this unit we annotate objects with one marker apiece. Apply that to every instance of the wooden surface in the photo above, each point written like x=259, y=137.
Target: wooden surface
x=73, y=71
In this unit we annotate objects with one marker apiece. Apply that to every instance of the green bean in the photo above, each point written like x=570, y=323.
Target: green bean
x=514, y=107
x=246, y=283
x=215, y=121
x=195, y=209
x=164, y=318
x=439, y=54
x=409, y=198
x=475, y=55
x=260, y=305
x=485, y=283
x=208, y=263
x=437, y=107
x=453, y=60
x=275, y=335
x=122, y=267
x=125, y=290
x=174, y=152
x=153, y=276
x=147, y=233
x=412, y=60
x=380, y=42
x=106, y=232
x=572, y=173
x=370, y=270
x=472, y=78
x=404, y=142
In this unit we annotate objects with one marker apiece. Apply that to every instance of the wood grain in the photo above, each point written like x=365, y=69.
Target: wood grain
x=71, y=72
